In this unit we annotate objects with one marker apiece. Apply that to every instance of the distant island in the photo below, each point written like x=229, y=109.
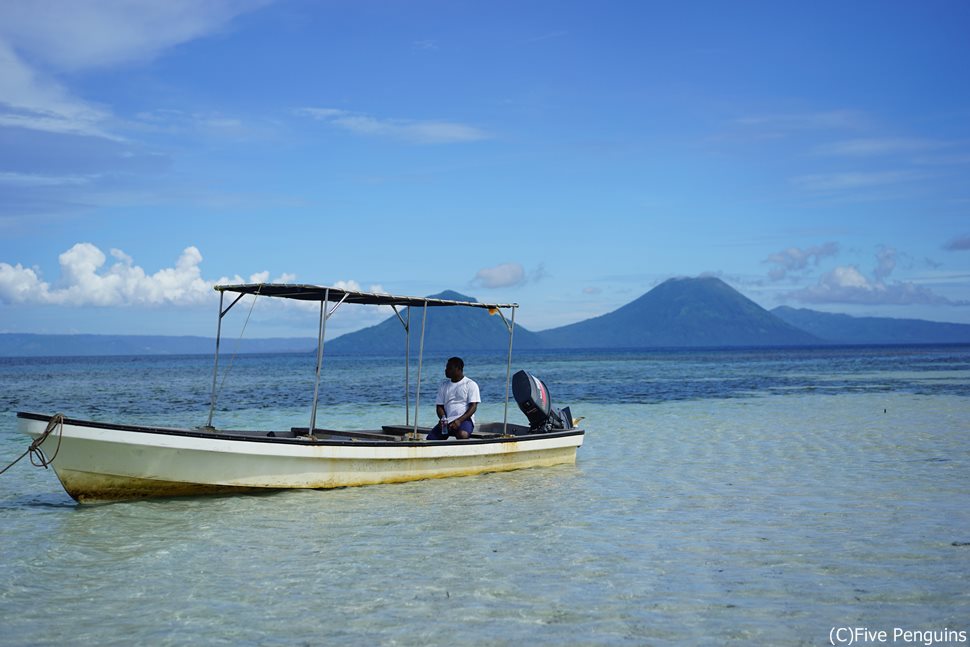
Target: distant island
x=683, y=313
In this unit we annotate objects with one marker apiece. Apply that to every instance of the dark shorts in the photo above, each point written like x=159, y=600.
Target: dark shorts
x=437, y=434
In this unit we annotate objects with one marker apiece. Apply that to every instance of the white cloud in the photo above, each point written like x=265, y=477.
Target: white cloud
x=87, y=280
x=40, y=40
x=846, y=284
x=71, y=36
x=500, y=276
x=353, y=286
x=29, y=99
x=794, y=259
x=410, y=130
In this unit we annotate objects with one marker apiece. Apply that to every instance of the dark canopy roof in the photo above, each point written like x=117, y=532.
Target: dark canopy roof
x=319, y=292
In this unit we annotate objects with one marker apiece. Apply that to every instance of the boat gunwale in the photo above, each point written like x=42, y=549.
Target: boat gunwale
x=229, y=435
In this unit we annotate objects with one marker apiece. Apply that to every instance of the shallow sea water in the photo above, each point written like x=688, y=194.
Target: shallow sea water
x=754, y=497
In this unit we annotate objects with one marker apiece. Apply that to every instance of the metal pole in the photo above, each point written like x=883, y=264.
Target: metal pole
x=215, y=368
x=316, y=384
x=407, y=370
x=508, y=378
x=407, y=361
x=417, y=390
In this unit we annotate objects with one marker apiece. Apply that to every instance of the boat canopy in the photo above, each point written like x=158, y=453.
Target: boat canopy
x=321, y=293
x=338, y=296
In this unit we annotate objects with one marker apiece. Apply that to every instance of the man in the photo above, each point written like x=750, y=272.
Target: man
x=457, y=402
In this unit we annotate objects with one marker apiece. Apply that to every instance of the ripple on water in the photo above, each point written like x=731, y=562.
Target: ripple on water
x=699, y=520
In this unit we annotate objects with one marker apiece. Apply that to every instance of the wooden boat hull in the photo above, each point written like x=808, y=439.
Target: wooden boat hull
x=98, y=462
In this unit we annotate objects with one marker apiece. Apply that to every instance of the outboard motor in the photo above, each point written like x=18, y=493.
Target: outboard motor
x=535, y=402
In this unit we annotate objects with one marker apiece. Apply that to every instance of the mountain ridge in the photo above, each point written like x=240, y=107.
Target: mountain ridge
x=447, y=329
x=846, y=329
x=699, y=312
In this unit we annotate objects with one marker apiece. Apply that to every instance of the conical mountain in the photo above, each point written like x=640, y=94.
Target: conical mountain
x=682, y=312
x=448, y=329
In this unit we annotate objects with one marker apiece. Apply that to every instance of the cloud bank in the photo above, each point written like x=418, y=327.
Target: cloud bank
x=848, y=285
x=86, y=280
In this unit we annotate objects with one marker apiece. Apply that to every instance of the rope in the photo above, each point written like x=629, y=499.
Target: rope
x=37, y=456
x=235, y=351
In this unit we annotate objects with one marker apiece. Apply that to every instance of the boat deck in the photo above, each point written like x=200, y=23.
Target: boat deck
x=387, y=434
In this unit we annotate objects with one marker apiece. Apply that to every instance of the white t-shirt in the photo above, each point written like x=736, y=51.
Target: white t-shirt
x=455, y=397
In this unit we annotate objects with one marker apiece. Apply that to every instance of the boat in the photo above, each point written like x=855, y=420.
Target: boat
x=102, y=462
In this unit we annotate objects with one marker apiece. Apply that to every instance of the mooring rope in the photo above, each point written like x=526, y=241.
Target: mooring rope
x=235, y=351
x=37, y=456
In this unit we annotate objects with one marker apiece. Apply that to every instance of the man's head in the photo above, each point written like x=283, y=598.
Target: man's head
x=455, y=369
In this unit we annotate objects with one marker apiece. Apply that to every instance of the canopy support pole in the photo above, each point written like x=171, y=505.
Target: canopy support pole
x=322, y=332
x=417, y=391
x=407, y=363
x=407, y=370
x=508, y=371
x=215, y=367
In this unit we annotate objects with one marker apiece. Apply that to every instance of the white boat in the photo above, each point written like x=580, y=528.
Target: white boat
x=98, y=461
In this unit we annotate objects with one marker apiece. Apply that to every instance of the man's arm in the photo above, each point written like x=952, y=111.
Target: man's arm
x=469, y=412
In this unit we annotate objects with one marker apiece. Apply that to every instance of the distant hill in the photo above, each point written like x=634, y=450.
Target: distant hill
x=845, y=329
x=686, y=312
x=29, y=345
x=683, y=312
x=452, y=330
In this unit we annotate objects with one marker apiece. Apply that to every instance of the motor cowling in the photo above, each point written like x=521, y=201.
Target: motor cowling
x=532, y=396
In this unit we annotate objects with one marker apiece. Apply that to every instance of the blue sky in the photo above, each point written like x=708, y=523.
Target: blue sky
x=568, y=156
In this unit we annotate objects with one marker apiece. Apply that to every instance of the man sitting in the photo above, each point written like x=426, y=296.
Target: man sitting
x=458, y=399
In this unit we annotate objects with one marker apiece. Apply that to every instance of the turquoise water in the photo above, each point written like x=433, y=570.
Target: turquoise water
x=734, y=497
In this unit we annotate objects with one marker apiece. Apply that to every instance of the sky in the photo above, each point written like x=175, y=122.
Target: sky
x=567, y=156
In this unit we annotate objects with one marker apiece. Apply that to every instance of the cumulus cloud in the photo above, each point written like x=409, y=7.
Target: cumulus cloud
x=847, y=284
x=354, y=286
x=410, y=130
x=501, y=276
x=508, y=275
x=958, y=244
x=795, y=259
x=87, y=280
